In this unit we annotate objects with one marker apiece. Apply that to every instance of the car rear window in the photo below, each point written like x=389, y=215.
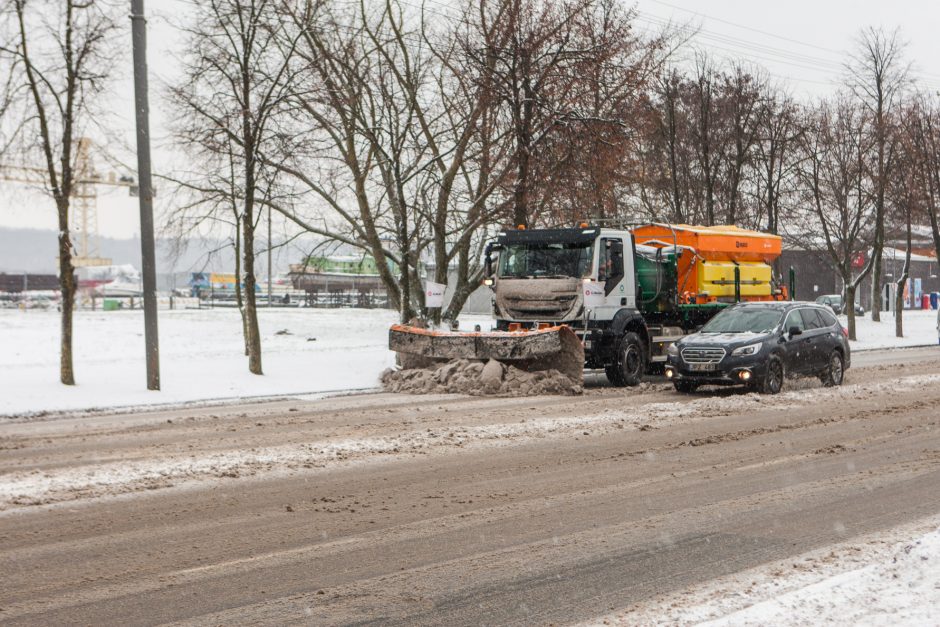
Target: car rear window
x=827, y=317
x=813, y=319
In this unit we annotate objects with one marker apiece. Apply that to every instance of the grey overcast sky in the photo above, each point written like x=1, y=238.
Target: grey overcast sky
x=801, y=43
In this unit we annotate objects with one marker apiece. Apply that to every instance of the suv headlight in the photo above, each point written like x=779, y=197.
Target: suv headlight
x=672, y=350
x=750, y=349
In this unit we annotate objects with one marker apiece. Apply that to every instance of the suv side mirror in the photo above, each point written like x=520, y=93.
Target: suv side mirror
x=794, y=331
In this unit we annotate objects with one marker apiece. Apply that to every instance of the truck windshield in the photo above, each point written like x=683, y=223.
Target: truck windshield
x=743, y=320
x=545, y=260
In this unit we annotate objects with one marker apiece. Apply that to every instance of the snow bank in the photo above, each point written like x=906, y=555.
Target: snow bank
x=891, y=577
x=920, y=328
x=903, y=589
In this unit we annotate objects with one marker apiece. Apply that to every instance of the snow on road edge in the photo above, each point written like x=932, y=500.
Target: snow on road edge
x=26, y=488
x=890, y=577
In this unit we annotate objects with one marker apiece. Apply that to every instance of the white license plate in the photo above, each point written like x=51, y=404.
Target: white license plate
x=703, y=367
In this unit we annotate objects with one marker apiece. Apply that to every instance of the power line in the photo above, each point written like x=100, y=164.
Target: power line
x=754, y=45
x=767, y=53
x=728, y=39
x=750, y=28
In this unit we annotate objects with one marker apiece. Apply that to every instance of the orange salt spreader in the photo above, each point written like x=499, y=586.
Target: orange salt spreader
x=707, y=257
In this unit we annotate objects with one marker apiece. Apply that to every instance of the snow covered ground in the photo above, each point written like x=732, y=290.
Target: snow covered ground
x=920, y=328
x=323, y=350
x=886, y=578
x=201, y=356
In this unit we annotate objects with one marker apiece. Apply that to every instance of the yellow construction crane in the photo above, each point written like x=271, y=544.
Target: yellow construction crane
x=84, y=196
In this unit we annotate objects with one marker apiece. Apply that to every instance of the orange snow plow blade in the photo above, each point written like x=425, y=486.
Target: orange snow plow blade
x=556, y=348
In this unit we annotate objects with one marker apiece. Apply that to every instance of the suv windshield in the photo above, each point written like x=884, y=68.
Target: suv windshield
x=743, y=320
x=545, y=260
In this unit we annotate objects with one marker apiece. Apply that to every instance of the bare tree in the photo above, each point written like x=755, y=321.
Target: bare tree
x=235, y=83
x=913, y=189
x=589, y=152
x=776, y=156
x=570, y=77
x=922, y=143
x=878, y=75
x=669, y=132
x=403, y=149
x=743, y=93
x=210, y=201
x=61, y=56
x=706, y=133
x=832, y=177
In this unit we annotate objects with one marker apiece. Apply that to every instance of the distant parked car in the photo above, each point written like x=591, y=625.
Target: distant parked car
x=758, y=344
x=834, y=302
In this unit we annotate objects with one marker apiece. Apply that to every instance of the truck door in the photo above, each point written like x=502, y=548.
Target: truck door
x=615, y=270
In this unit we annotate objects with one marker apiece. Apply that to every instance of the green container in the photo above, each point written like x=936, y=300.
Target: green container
x=656, y=282
x=111, y=304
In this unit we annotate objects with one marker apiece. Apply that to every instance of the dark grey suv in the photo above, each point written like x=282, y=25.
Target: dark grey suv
x=758, y=345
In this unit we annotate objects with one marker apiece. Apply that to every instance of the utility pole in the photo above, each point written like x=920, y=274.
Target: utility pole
x=142, y=110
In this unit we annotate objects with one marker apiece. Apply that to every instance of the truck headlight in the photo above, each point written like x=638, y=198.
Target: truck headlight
x=750, y=349
x=672, y=350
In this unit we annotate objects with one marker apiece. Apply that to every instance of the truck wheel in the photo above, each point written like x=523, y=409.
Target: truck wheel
x=834, y=372
x=773, y=378
x=630, y=362
x=614, y=376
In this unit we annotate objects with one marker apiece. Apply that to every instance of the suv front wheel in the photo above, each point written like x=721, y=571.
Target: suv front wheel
x=773, y=378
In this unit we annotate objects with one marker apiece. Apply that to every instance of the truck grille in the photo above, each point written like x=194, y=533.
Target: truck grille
x=694, y=355
x=540, y=308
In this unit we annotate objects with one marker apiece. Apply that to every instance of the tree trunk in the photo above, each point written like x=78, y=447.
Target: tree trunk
x=251, y=309
x=67, y=288
x=899, y=307
x=520, y=215
x=239, y=301
x=902, y=283
x=466, y=283
x=850, y=308
x=879, y=207
x=876, y=282
x=406, y=311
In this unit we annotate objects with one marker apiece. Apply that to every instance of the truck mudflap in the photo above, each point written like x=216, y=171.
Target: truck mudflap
x=555, y=348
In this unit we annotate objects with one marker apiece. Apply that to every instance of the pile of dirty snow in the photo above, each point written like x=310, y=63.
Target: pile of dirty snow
x=477, y=378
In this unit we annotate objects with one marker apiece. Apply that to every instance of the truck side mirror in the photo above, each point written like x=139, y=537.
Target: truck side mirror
x=488, y=260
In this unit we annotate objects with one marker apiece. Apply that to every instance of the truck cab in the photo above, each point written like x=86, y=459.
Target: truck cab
x=539, y=278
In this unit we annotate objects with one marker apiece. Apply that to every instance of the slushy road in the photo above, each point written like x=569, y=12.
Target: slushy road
x=451, y=510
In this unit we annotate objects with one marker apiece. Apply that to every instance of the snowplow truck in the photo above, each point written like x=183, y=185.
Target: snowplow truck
x=621, y=295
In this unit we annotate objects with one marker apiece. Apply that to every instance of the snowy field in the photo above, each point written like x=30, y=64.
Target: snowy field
x=305, y=351
x=201, y=356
